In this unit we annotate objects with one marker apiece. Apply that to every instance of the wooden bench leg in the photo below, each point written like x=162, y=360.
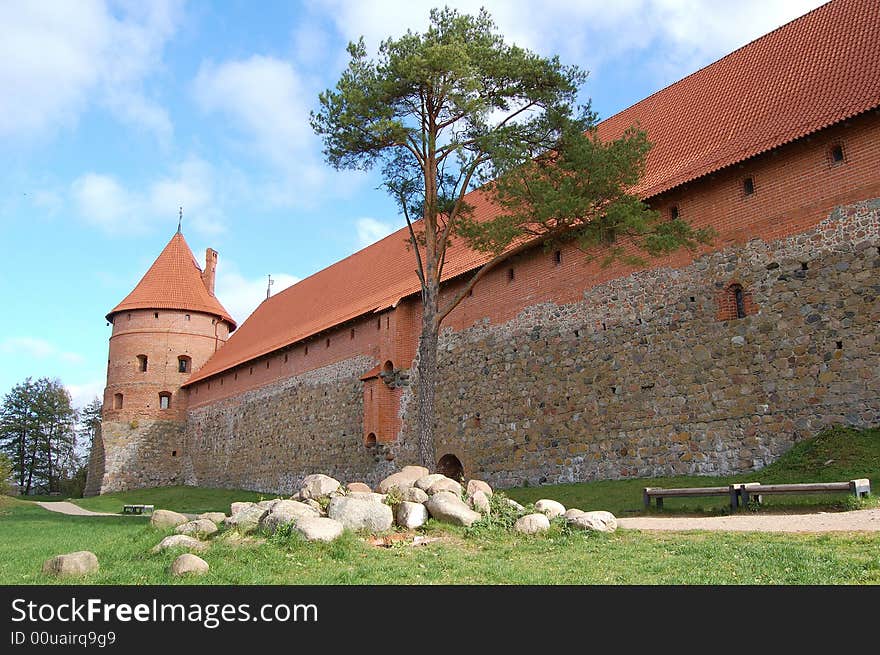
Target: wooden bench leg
x=734, y=498
x=659, y=502
x=646, y=499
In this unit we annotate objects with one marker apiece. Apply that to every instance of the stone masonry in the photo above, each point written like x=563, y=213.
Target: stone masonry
x=637, y=379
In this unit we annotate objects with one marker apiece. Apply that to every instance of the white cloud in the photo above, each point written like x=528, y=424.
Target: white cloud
x=36, y=348
x=241, y=295
x=82, y=394
x=59, y=58
x=265, y=98
x=678, y=36
x=104, y=202
x=369, y=230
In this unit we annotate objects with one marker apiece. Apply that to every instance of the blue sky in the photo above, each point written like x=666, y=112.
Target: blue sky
x=114, y=114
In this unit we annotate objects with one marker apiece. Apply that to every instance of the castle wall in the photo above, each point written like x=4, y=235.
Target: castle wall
x=639, y=378
x=269, y=438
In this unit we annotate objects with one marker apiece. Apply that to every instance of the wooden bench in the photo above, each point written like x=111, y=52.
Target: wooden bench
x=137, y=509
x=658, y=494
x=858, y=488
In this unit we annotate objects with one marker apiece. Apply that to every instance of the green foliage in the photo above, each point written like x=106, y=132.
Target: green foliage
x=501, y=516
x=38, y=433
x=393, y=496
x=5, y=474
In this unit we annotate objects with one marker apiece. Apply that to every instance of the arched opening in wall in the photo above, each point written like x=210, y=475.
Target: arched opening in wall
x=370, y=440
x=183, y=363
x=142, y=363
x=388, y=367
x=117, y=401
x=164, y=400
x=450, y=466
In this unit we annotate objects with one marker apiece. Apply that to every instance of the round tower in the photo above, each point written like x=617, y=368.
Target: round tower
x=163, y=331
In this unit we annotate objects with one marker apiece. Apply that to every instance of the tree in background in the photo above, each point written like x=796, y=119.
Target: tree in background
x=38, y=433
x=5, y=474
x=452, y=109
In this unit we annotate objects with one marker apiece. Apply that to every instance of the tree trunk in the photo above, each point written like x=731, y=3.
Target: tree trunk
x=427, y=378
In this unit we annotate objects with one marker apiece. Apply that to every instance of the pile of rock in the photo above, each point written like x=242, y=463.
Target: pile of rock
x=324, y=508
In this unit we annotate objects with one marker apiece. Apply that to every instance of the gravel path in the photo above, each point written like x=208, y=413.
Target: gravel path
x=862, y=520
x=63, y=507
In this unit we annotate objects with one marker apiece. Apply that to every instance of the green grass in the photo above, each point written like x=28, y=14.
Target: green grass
x=482, y=557
x=835, y=455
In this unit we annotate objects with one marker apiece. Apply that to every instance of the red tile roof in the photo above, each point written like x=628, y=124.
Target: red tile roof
x=174, y=281
x=817, y=70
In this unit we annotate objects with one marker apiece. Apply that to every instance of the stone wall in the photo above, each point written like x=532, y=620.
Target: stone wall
x=135, y=454
x=268, y=439
x=641, y=379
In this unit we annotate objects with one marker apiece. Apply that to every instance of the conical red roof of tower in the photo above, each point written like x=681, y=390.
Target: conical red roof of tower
x=174, y=281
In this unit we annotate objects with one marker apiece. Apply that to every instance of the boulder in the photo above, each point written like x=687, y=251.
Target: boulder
x=550, y=508
x=189, y=563
x=404, y=478
x=446, y=484
x=235, y=508
x=532, y=523
x=480, y=502
x=424, y=483
x=246, y=520
x=598, y=521
x=82, y=562
x=319, y=528
x=571, y=513
x=216, y=517
x=361, y=514
x=284, y=512
x=164, y=519
x=314, y=504
x=413, y=495
x=514, y=504
x=473, y=486
x=446, y=507
x=410, y=515
x=268, y=504
x=371, y=495
x=358, y=486
x=317, y=485
x=202, y=527
x=180, y=541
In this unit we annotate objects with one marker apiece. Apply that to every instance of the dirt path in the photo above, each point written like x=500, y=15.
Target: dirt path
x=63, y=507
x=862, y=520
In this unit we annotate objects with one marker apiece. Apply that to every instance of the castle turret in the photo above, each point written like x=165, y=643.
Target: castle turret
x=163, y=331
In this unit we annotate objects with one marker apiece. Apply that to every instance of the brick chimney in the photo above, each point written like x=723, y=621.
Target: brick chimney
x=210, y=269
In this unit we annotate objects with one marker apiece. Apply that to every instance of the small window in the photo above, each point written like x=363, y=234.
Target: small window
x=306, y=350
x=739, y=300
x=267, y=362
x=470, y=292
x=250, y=373
x=749, y=186
x=285, y=357
x=183, y=363
x=142, y=363
x=155, y=314
x=673, y=212
x=117, y=401
x=370, y=441
x=129, y=317
x=387, y=322
x=327, y=344
x=836, y=154
x=174, y=453
x=186, y=317
x=164, y=400
x=351, y=335
x=510, y=275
